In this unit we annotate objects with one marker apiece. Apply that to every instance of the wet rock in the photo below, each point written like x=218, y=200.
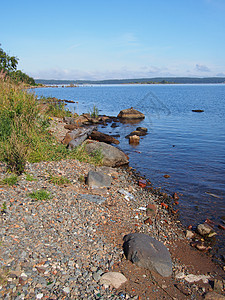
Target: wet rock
x=114, y=279
x=134, y=139
x=98, y=180
x=205, y=230
x=189, y=234
x=102, y=137
x=198, y=110
x=166, y=176
x=142, y=129
x=175, y=196
x=112, y=156
x=147, y=252
x=131, y=113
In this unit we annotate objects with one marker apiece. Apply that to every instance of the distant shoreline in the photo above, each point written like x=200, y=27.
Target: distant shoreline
x=158, y=80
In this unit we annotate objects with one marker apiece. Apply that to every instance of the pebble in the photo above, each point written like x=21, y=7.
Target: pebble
x=61, y=247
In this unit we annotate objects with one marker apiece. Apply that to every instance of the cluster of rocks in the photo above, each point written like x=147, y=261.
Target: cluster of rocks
x=84, y=127
x=74, y=245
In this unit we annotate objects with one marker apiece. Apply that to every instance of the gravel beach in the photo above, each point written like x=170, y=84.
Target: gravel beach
x=59, y=248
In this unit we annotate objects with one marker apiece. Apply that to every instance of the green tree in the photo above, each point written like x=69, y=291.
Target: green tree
x=7, y=63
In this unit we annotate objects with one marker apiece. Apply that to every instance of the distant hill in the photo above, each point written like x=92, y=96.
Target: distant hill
x=162, y=80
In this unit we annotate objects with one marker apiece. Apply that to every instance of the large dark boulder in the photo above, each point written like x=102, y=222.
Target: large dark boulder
x=131, y=114
x=112, y=156
x=147, y=252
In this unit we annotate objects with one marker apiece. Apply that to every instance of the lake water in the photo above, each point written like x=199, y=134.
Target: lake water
x=188, y=146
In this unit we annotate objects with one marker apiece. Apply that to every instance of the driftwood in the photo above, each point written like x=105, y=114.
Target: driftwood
x=102, y=137
x=79, y=135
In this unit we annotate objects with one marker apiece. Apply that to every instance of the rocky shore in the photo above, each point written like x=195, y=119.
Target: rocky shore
x=62, y=247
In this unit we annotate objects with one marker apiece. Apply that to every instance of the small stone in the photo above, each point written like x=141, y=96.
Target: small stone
x=114, y=279
x=166, y=176
x=175, y=196
x=148, y=221
x=205, y=230
x=218, y=286
x=39, y=296
x=189, y=234
x=134, y=139
x=66, y=290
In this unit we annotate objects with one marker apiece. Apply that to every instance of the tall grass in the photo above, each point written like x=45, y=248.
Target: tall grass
x=24, y=132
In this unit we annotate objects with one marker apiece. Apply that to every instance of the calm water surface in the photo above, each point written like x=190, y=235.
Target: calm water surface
x=188, y=146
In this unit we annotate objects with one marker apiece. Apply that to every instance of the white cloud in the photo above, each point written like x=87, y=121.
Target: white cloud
x=120, y=73
x=202, y=68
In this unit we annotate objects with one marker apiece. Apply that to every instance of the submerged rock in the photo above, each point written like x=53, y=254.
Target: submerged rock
x=205, y=230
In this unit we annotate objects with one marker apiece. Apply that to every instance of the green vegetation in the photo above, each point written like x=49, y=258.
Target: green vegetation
x=81, y=178
x=59, y=180
x=55, y=108
x=30, y=177
x=10, y=180
x=8, y=67
x=94, y=112
x=81, y=155
x=40, y=195
x=4, y=207
x=24, y=134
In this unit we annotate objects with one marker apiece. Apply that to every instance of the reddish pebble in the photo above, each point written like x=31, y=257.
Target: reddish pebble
x=190, y=227
x=164, y=205
x=142, y=183
x=221, y=227
x=175, y=196
x=148, y=221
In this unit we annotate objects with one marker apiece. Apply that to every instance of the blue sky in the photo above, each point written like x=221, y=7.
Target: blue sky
x=98, y=39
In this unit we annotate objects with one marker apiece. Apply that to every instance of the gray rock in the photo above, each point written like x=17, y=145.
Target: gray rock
x=112, y=156
x=147, y=252
x=114, y=279
x=93, y=198
x=98, y=180
x=205, y=230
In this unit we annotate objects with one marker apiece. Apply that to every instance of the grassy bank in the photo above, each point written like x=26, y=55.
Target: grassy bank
x=24, y=134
